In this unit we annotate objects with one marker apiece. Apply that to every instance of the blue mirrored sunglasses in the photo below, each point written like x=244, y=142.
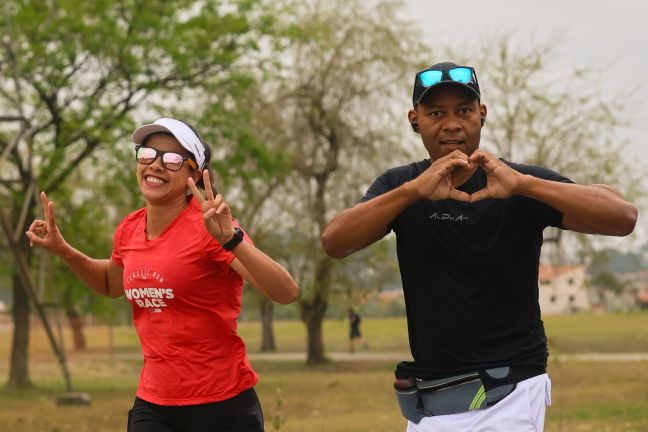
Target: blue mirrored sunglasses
x=461, y=74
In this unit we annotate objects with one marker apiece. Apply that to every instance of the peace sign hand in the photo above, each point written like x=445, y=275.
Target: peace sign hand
x=216, y=213
x=45, y=233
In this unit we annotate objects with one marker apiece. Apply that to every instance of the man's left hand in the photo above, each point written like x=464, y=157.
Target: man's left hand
x=502, y=180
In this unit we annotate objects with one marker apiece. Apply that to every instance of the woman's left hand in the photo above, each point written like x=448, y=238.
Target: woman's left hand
x=216, y=213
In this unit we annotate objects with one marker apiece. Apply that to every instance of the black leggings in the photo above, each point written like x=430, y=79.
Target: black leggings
x=242, y=413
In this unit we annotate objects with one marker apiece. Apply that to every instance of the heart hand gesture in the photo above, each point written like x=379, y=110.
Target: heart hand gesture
x=435, y=183
x=502, y=180
x=216, y=213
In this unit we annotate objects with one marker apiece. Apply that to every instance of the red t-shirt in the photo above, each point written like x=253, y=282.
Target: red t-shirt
x=186, y=300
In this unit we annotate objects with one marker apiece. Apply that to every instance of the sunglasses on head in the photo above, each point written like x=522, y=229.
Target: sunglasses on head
x=460, y=74
x=170, y=160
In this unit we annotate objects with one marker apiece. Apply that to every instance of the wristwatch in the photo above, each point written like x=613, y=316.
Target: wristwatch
x=235, y=240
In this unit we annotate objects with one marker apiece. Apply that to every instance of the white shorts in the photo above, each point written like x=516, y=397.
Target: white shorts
x=521, y=411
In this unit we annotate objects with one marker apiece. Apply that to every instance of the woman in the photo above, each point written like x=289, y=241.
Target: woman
x=180, y=261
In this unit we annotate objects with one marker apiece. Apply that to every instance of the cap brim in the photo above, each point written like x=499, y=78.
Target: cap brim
x=185, y=135
x=454, y=83
x=143, y=131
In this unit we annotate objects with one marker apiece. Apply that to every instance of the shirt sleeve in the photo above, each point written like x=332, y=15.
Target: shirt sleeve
x=544, y=213
x=380, y=186
x=116, y=256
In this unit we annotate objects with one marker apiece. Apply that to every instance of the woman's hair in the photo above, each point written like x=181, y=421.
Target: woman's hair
x=208, y=152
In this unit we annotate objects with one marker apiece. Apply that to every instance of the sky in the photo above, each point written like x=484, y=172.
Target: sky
x=593, y=33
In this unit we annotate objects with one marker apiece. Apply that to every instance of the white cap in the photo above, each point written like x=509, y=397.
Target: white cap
x=183, y=133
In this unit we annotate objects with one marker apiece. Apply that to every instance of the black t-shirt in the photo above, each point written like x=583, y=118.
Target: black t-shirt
x=470, y=275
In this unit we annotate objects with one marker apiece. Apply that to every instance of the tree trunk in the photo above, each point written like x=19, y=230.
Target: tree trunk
x=267, y=330
x=21, y=313
x=76, y=325
x=19, y=366
x=313, y=310
x=24, y=292
x=313, y=315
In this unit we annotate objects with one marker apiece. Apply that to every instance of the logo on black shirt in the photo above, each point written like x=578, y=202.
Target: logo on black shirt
x=447, y=217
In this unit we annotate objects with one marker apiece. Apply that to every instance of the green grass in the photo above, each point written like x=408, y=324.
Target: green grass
x=380, y=334
x=604, y=333
x=599, y=333
x=339, y=396
x=336, y=397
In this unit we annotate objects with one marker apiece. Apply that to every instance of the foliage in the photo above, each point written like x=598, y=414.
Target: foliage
x=553, y=115
x=608, y=281
x=545, y=113
x=75, y=71
x=346, y=59
x=88, y=225
x=76, y=74
x=611, y=260
x=303, y=102
x=277, y=419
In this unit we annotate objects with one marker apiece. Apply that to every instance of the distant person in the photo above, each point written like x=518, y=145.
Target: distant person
x=181, y=261
x=355, y=336
x=469, y=230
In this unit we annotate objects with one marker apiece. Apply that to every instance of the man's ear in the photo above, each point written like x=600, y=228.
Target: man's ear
x=483, y=112
x=412, y=116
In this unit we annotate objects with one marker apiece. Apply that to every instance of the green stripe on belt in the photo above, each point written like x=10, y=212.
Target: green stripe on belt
x=478, y=399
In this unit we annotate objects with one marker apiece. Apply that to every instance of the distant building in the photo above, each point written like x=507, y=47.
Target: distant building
x=562, y=289
x=642, y=299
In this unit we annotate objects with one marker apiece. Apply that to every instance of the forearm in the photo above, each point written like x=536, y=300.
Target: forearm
x=365, y=223
x=597, y=209
x=265, y=273
x=92, y=272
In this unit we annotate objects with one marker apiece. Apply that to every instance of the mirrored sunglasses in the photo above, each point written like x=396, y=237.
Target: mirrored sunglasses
x=461, y=74
x=170, y=160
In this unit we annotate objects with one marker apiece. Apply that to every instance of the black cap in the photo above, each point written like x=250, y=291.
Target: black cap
x=420, y=90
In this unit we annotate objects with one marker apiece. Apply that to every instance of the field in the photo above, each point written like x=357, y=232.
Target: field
x=341, y=396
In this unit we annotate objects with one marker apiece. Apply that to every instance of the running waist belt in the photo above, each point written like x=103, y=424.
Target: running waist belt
x=419, y=398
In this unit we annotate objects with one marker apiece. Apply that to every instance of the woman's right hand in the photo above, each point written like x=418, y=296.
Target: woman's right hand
x=45, y=233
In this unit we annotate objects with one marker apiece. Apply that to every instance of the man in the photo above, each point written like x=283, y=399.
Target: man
x=469, y=231
x=354, y=329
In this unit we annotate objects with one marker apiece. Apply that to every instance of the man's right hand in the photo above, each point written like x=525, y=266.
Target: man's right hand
x=435, y=183
x=45, y=233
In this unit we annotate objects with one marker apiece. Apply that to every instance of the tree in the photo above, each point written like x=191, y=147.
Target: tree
x=89, y=225
x=543, y=113
x=338, y=111
x=75, y=73
x=249, y=166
